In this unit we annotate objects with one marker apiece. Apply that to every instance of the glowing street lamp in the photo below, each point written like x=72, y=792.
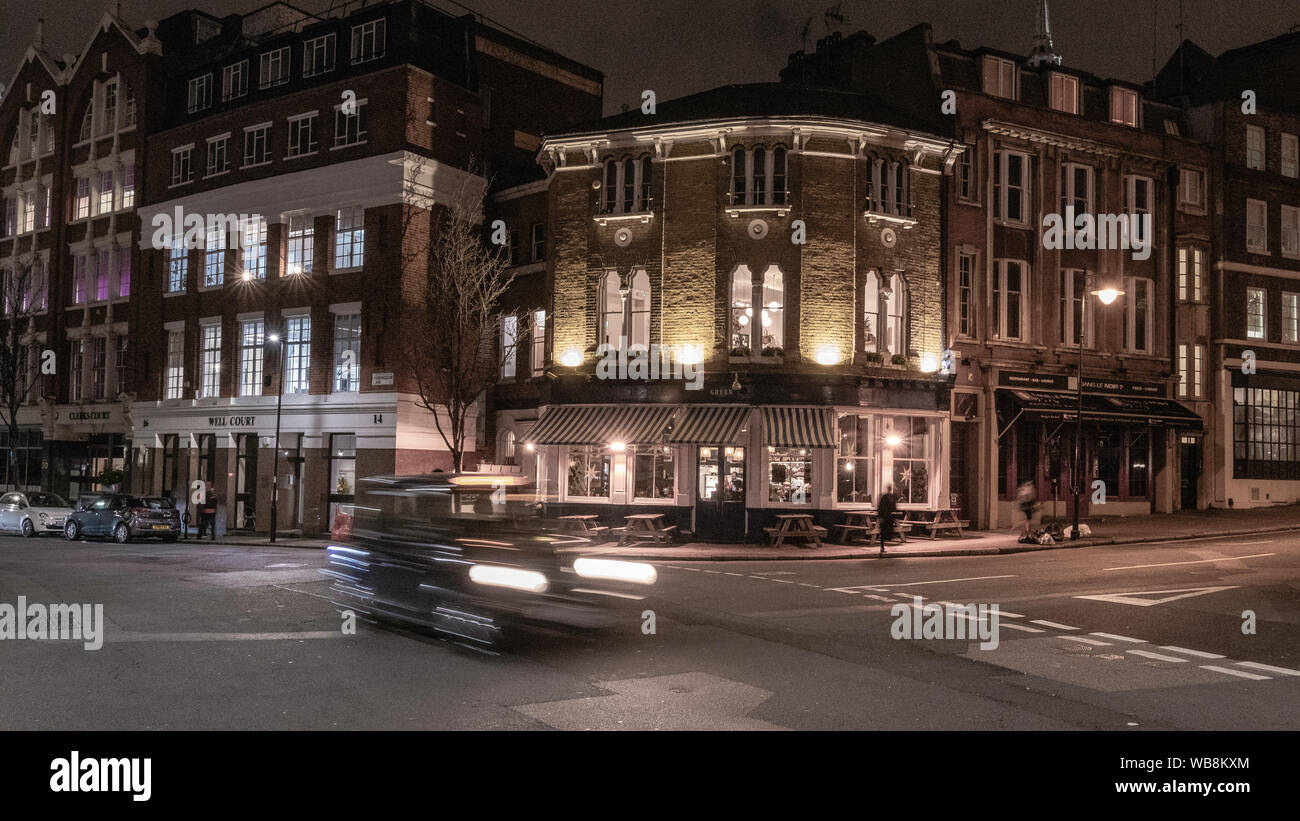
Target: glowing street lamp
x=1107, y=295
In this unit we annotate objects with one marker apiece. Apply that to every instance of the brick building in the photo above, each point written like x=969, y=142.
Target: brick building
x=1252, y=281
x=325, y=137
x=785, y=241
x=1041, y=137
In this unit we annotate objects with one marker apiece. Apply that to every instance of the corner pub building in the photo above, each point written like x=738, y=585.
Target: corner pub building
x=679, y=232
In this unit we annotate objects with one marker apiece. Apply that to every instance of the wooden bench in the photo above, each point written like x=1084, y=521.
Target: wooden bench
x=843, y=531
x=773, y=533
x=935, y=527
x=663, y=534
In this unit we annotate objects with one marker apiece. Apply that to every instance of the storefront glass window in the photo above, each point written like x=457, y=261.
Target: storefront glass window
x=1109, y=454
x=589, y=473
x=1139, y=451
x=911, y=459
x=789, y=475
x=654, y=474
x=855, y=470
x=343, y=475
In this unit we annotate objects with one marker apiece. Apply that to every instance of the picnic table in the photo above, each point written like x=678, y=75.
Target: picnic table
x=864, y=524
x=643, y=527
x=795, y=526
x=943, y=518
x=584, y=523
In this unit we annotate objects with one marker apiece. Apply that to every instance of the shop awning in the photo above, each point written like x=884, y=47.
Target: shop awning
x=710, y=425
x=1061, y=406
x=601, y=425
x=798, y=427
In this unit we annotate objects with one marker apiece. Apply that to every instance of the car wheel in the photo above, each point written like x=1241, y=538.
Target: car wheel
x=29, y=530
x=71, y=531
x=121, y=534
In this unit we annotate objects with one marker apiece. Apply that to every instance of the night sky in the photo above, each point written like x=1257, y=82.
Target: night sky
x=677, y=47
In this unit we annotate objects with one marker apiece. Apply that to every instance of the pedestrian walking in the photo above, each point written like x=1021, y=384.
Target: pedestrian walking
x=208, y=511
x=1027, y=499
x=887, y=509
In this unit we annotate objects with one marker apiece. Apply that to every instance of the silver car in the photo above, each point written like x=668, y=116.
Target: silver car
x=33, y=513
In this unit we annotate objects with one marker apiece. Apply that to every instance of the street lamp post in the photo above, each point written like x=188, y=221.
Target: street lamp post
x=279, y=403
x=1107, y=296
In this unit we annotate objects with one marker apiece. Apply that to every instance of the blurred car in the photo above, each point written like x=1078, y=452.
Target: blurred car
x=124, y=517
x=33, y=513
x=474, y=557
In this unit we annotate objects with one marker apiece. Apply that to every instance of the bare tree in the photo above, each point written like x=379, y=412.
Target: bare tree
x=19, y=300
x=453, y=335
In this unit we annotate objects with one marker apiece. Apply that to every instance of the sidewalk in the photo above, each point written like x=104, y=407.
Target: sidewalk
x=1105, y=531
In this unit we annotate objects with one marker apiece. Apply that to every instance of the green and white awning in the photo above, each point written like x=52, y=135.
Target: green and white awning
x=710, y=425
x=791, y=427
x=601, y=425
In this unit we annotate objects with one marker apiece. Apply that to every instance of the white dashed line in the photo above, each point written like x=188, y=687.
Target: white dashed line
x=945, y=581
x=1052, y=624
x=1231, y=672
x=1198, y=561
x=1197, y=653
x=1093, y=642
x=806, y=584
x=781, y=581
x=1022, y=628
x=1156, y=656
x=714, y=572
x=729, y=573
x=1120, y=638
x=1267, y=668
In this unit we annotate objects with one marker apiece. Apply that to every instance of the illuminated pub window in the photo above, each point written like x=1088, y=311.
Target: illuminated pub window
x=789, y=472
x=1265, y=433
x=855, y=469
x=590, y=470
x=654, y=473
x=911, y=457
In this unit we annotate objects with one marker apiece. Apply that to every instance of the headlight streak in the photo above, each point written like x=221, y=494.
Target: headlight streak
x=612, y=569
x=512, y=577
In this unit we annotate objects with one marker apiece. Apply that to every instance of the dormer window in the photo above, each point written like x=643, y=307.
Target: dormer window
x=1124, y=106
x=1065, y=93
x=627, y=186
x=758, y=176
x=1000, y=77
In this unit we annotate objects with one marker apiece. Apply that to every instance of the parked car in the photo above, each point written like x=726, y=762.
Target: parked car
x=473, y=555
x=124, y=517
x=33, y=513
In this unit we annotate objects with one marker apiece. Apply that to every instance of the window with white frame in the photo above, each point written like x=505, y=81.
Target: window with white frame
x=175, y=387
x=966, y=295
x=1191, y=188
x=1198, y=368
x=790, y=475
x=347, y=353
x=318, y=55
x=87, y=122
x=1009, y=285
x=967, y=180
x=103, y=270
x=218, y=155
x=1138, y=199
x=1000, y=77
x=124, y=271
x=178, y=264
x=1290, y=231
x=1076, y=188
x=210, y=360
x=883, y=312
x=627, y=186
x=1257, y=226
x=1139, y=304
x=886, y=185
x=1065, y=93
x=910, y=458
x=255, y=248
x=1290, y=317
x=234, y=81
x=1255, y=150
x=539, y=342
x=252, y=347
x=509, y=345
x=1183, y=371
x=758, y=176
x=109, y=123
x=1010, y=184
x=1256, y=307
x=348, y=129
x=653, y=474
x=349, y=238
x=128, y=185
x=368, y=41
x=1191, y=261
x=538, y=241
x=274, y=69
x=611, y=310
x=78, y=369
x=297, y=375
x=182, y=166
x=639, y=311
x=856, y=481
x=1290, y=164
x=214, y=257
x=302, y=238
x=79, y=265
x=119, y=364
x=105, y=192
x=200, y=93
x=1124, y=106
x=257, y=145
x=590, y=472
x=27, y=219
x=302, y=135
x=1074, y=291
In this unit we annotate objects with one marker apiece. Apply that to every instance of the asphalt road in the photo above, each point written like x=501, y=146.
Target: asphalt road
x=224, y=637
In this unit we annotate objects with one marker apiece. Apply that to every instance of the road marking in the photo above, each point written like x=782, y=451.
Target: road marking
x=1132, y=598
x=781, y=581
x=1046, y=623
x=729, y=573
x=1120, y=638
x=945, y=581
x=1022, y=628
x=1197, y=653
x=806, y=584
x=692, y=569
x=1229, y=671
x=1156, y=656
x=854, y=590
x=714, y=572
x=1281, y=671
x=1011, y=615
x=1198, y=561
x=308, y=634
x=1087, y=640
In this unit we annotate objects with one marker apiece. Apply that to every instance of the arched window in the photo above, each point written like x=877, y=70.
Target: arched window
x=760, y=176
x=611, y=185
x=87, y=119
x=739, y=174
x=629, y=186
x=773, y=308
x=895, y=301
x=639, y=339
x=109, y=124
x=611, y=310
x=778, y=176
x=508, y=448
x=884, y=314
x=871, y=311
x=742, y=308
x=645, y=182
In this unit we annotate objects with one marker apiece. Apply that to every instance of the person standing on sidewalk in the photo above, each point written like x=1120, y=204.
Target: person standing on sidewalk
x=208, y=511
x=1027, y=499
x=886, y=510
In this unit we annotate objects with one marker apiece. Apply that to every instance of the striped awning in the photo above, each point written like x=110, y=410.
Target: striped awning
x=710, y=425
x=601, y=425
x=786, y=427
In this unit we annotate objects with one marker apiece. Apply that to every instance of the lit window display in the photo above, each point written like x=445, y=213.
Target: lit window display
x=855, y=469
x=789, y=473
x=911, y=459
x=589, y=473
x=654, y=474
